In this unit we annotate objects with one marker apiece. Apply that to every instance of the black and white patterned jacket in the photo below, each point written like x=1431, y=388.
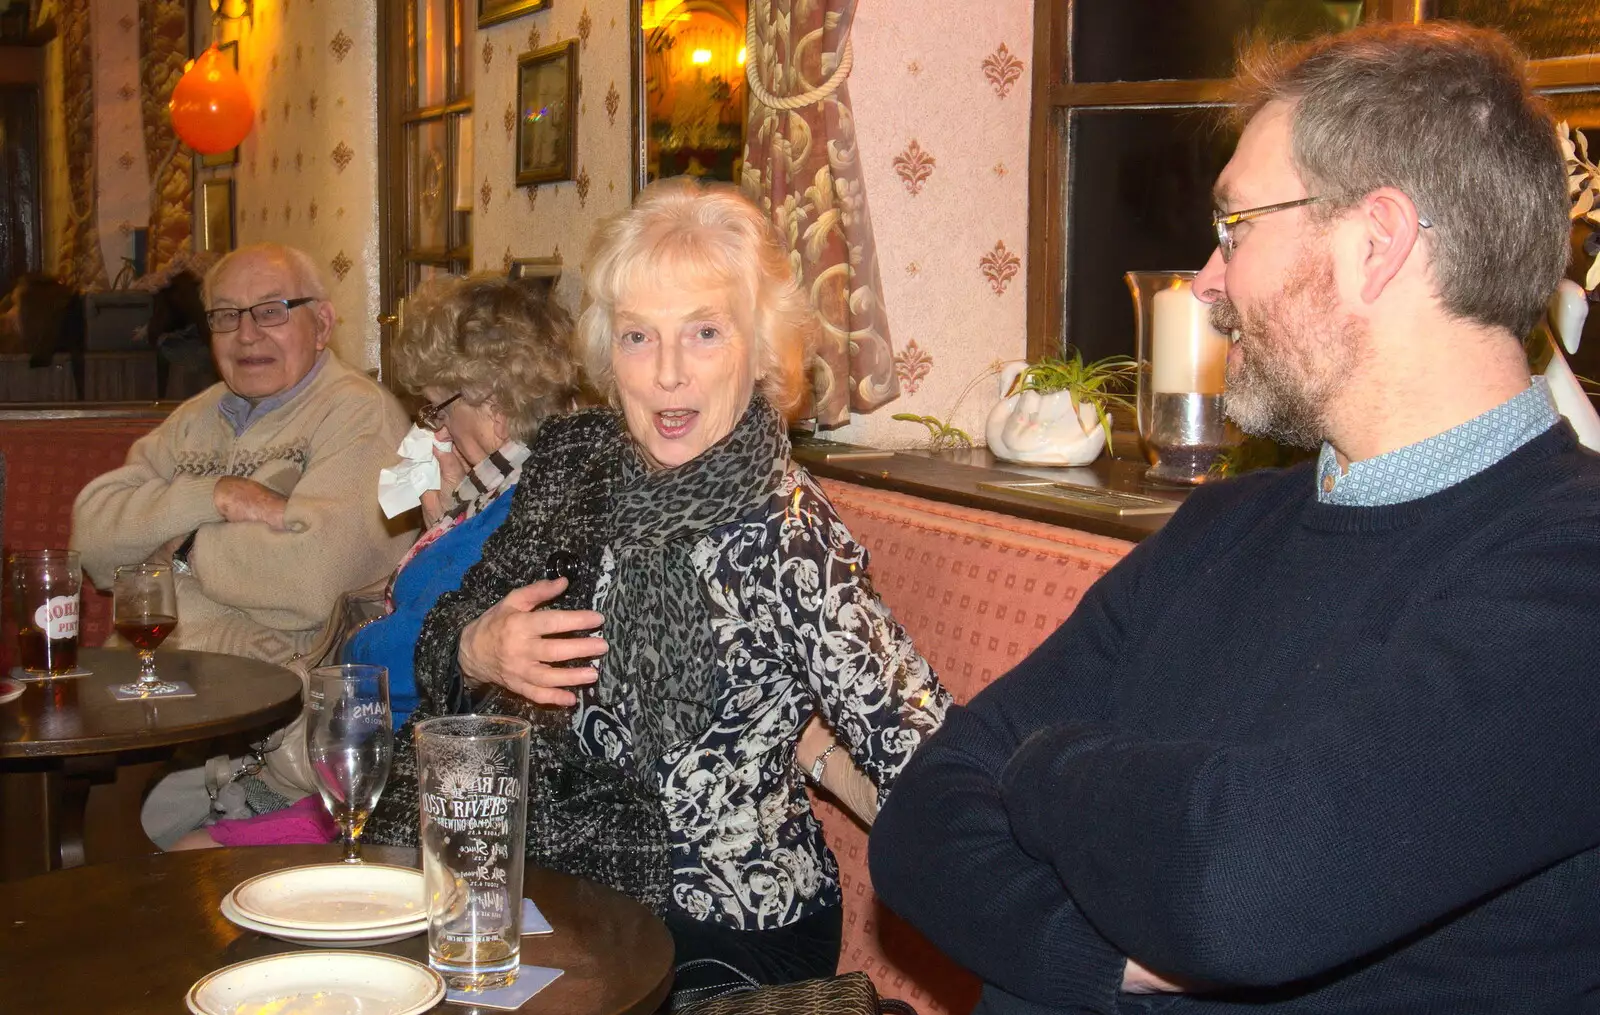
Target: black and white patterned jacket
x=798, y=630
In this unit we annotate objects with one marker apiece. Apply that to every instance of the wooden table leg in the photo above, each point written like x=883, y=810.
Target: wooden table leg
x=67, y=800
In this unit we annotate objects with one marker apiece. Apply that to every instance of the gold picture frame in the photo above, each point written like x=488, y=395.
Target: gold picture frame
x=216, y=216
x=492, y=12
x=547, y=122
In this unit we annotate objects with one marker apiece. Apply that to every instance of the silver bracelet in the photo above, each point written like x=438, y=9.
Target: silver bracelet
x=822, y=760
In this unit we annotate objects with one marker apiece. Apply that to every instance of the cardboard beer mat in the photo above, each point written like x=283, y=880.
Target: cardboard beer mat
x=18, y=673
x=533, y=921
x=180, y=689
x=530, y=980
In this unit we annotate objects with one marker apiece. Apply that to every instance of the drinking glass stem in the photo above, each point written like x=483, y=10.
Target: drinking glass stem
x=147, y=666
x=352, y=851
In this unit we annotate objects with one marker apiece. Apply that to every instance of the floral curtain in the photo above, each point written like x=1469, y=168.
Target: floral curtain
x=801, y=167
x=163, y=49
x=79, y=263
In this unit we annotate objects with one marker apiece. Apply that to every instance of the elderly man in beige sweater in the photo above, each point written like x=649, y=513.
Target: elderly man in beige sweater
x=263, y=487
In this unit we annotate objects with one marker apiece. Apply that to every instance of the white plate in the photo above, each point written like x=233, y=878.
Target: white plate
x=325, y=938
x=319, y=983
x=333, y=896
x=11, y=690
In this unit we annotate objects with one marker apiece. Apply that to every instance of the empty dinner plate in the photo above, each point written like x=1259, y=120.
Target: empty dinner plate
x=366, y=937
x=319, y=983
x=333, y=896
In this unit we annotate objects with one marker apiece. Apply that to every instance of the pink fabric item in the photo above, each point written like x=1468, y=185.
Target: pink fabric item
x=977, y=591
x=304, y=821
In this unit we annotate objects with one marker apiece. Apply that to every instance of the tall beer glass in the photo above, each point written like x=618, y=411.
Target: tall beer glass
x=472, y=774
x=44, y=599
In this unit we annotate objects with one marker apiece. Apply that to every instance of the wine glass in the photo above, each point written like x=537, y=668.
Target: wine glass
x=350, y=742
x=144, y=611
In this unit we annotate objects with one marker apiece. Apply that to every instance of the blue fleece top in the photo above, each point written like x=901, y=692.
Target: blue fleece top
x=436, y=569
x=1318, y=758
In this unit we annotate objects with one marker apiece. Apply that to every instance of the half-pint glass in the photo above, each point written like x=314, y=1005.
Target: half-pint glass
x=44, y=599
x=472, y=775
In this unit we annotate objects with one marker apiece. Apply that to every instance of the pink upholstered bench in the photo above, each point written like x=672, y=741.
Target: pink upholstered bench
x=977, y=591
x=48, y=461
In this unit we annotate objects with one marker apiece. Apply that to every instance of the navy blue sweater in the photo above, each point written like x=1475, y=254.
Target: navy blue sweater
x=1323, y=759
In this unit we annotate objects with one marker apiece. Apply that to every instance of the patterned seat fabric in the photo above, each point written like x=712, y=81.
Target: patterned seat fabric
x=977, y=591
x=47, y=463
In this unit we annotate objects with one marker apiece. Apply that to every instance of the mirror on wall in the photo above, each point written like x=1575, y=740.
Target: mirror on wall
x=692, y=89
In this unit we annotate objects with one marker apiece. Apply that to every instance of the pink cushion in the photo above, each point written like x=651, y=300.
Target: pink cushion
x=977, y=591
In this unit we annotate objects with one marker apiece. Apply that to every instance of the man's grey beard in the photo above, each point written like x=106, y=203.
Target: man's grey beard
x=1265, y=395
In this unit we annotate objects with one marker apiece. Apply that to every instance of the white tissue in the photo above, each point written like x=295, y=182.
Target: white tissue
x=401, y=488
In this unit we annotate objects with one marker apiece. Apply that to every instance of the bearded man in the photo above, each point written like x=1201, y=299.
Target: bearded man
x=1326, y=742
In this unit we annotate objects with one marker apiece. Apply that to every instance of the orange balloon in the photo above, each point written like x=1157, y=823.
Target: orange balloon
x=211, y=111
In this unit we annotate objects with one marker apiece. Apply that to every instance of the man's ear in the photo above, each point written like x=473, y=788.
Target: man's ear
x=1389, y=227
x=325, y=319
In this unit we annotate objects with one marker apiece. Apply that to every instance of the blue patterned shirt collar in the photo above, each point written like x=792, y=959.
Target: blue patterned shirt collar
x=1442, y=460
x=242, y=414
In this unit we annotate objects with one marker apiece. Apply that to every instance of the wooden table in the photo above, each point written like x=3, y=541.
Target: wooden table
x=73, y=731
x=132, y=936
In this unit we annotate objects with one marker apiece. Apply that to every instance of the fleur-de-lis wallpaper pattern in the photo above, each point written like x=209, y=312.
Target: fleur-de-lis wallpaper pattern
x=308, y=173
x=925, y=71
x=941, y=109
x=540, y=221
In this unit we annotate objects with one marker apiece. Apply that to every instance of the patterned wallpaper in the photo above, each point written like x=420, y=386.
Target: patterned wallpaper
x=941, y=101
x=941, y=98
x=308, y=173
x=122, y=168
x=554, y=218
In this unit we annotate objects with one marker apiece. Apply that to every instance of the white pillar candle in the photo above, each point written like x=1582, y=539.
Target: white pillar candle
x=1186, y=352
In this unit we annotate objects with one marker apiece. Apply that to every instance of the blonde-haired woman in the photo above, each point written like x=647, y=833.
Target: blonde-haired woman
x=709, y=597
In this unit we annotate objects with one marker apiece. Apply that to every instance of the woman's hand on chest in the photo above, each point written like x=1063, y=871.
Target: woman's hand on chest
x=517, y=645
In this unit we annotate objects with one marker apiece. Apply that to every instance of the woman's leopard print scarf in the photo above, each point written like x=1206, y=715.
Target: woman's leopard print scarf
x=659, y=671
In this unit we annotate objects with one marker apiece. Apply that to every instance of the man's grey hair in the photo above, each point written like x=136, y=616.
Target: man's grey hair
x=1443, y=113
x=306, y=276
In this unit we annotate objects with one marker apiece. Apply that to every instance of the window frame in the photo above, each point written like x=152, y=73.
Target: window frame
x=1056, y=97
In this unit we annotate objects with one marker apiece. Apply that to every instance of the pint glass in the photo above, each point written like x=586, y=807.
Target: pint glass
x=44, y=599
x=472, y=775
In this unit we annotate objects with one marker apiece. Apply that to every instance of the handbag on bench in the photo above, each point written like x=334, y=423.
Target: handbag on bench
x=849, y=994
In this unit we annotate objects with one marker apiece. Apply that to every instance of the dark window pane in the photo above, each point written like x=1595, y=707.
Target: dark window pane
x=1581, y=110
x=1139, y=200
x=1146, y=40
x=1542, y=28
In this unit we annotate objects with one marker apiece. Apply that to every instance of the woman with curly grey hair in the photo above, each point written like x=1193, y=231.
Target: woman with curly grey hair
x=493, y=358
x=685, y=597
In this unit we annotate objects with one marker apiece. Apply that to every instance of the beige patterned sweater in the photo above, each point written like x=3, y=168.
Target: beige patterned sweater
x=255, y=591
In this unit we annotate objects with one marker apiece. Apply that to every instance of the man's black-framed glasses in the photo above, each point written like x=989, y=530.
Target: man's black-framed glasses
x=431, y=416
x=1224, y=221
x=266, y=314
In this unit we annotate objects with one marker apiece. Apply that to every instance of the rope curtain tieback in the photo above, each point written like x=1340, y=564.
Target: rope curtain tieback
x=791, y=102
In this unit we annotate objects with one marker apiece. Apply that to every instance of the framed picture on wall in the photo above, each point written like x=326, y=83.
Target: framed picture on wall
x=547, y=122
x=494, y=11
x=231, y=156
x=216, y=216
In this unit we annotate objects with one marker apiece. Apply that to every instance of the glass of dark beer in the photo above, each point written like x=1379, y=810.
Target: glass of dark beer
x=144, y=610
x=44, y=598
